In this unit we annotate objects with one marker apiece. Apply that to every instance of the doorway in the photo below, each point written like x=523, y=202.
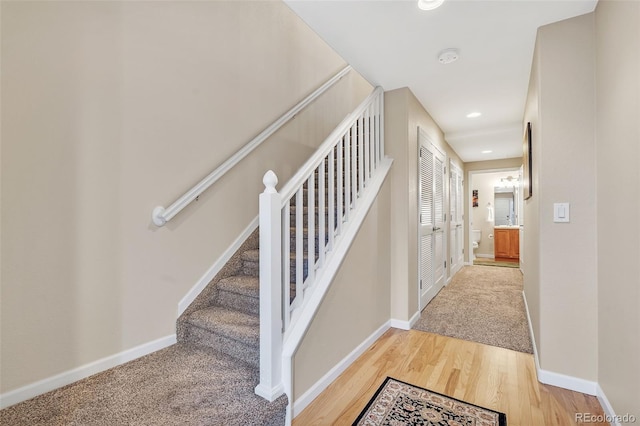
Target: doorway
x=495, y=219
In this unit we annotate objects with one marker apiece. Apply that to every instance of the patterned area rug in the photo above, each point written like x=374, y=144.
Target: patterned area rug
x=398, y=403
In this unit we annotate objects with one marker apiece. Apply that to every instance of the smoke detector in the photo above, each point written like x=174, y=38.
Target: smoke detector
x=429, y=4
x=448, y=55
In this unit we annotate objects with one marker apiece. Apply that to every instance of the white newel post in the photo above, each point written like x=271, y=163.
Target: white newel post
x=270, y=386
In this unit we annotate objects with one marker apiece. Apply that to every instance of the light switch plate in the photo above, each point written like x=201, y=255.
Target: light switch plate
x=561, y=212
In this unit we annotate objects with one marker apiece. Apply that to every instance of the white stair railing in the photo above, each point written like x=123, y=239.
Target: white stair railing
x=302, y=225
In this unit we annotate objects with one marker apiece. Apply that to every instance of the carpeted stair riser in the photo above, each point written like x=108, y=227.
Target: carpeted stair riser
x=251, y=263
x=240, y=292
x=205, y=338
x=226, y=330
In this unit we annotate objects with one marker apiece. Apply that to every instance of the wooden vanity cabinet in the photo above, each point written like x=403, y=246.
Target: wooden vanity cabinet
x=506, y=243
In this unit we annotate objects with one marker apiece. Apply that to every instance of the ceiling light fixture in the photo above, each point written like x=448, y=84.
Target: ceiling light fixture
x=474, y=114
x=448, y=55
x=429, y=4
x=487, y=151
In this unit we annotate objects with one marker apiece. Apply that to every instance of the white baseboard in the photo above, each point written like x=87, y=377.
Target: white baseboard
x=485, y=256
x=405, y=325
x=216, y=267
x=557, y=379
x=38, y=388
x=315, y=390
x=567, y=382
x=606, y=407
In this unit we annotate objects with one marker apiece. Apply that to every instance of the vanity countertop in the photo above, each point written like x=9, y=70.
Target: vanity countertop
x=506, y=227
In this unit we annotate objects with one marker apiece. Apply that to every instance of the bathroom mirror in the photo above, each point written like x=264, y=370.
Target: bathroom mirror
x=505, y=207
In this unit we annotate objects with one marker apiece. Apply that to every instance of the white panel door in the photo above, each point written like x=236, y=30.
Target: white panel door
x=432, y=217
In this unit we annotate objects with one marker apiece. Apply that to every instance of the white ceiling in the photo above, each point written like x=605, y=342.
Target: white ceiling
x=394, y=44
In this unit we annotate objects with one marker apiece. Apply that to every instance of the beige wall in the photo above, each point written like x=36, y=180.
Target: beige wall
x=563, y=302
x=112, y=108
x=531, y=244
x=618, y=156
x=480, y=166
x=403, y=115
x=357, y=303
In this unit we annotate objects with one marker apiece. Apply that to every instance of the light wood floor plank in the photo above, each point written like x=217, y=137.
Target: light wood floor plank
x=495, y=378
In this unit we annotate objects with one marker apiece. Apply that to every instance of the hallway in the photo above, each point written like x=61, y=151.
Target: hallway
x=481, y=304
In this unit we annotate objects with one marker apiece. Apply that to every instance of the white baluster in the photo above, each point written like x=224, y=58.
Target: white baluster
x=332, y=198
x=367, y=146
x=361, y=168
x=311, y=227
x=322, y=177
x=299, y=239
x=347, y=175
x=270, y=386
x=340, y=187
x=354, y=167
x=381, y=125
x=286, y=263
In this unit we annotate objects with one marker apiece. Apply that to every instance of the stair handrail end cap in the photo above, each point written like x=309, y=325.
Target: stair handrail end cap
x=157, y=216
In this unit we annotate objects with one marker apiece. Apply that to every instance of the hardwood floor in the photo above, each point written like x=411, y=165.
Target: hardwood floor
x=495, y=378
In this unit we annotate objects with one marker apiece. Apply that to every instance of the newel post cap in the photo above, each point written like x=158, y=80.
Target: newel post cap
x=270, y=180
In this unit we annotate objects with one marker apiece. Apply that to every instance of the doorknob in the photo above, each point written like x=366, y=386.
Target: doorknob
x=435, y=228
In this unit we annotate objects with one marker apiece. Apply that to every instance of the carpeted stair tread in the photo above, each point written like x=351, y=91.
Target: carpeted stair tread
x=241, y=284
x=229, y=323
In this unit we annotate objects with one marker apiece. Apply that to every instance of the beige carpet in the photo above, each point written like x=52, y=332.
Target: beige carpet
x=482, y=304
x=179, y=385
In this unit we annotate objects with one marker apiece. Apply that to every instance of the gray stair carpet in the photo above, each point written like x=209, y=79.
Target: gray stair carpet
x=207, y=378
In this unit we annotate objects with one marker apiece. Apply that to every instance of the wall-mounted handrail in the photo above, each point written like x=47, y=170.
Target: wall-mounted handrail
x=161, y=215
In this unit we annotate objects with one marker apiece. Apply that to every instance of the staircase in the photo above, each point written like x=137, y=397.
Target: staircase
x=312, y=212
x=224, y=319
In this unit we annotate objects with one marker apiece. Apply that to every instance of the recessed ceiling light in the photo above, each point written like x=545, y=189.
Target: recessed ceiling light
x=429, y=4
x=448, y=55
x=474, y=114
x=487, y=151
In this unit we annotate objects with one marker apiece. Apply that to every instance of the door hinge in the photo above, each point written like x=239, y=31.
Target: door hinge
x=420, y=284
x=445, y=264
